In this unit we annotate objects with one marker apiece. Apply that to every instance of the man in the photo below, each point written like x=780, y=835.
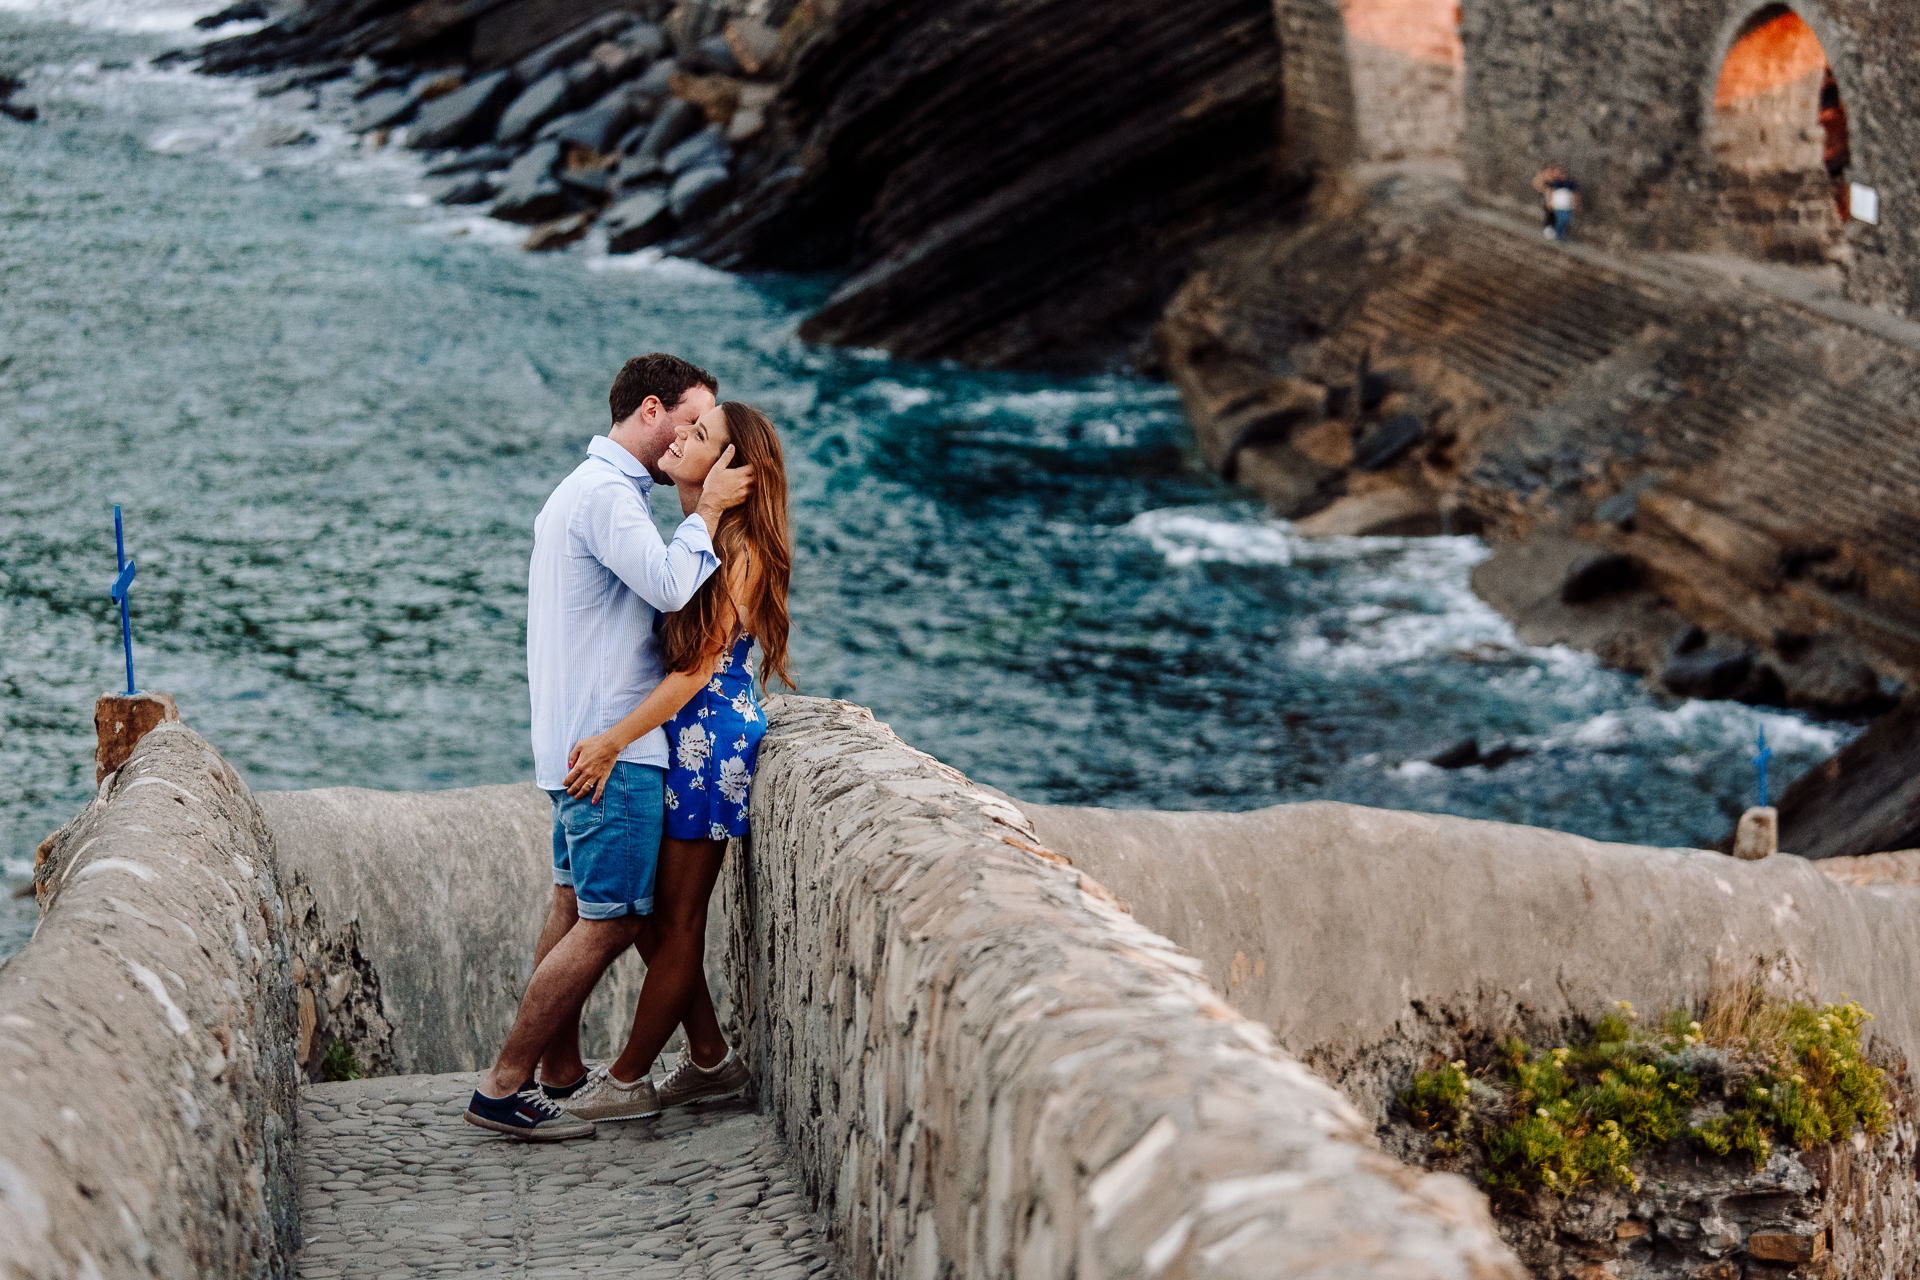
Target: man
x=599, y=574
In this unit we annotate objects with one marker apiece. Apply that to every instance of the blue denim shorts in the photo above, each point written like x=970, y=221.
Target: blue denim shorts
x=608, y=852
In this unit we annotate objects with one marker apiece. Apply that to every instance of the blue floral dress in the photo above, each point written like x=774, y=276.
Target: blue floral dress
x=713, y=742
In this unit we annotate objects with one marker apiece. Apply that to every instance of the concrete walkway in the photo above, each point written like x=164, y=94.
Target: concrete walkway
x=393, y=1183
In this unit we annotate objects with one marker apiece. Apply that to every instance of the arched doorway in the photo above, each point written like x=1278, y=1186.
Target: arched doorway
x=1406, y=63
x=1780, y=143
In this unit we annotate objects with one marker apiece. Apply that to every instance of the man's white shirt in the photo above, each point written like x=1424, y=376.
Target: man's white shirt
x=600, y=572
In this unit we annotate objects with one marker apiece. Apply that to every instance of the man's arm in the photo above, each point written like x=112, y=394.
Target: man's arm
x=617, y=532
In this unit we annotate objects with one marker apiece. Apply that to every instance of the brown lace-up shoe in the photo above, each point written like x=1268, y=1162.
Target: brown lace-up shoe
x=689, y=1083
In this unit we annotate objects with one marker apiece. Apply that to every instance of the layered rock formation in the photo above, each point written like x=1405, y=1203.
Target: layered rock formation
x=1656, y=455
x=1010, y=182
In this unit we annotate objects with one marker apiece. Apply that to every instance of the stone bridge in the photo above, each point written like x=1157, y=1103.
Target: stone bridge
x=971, y=1058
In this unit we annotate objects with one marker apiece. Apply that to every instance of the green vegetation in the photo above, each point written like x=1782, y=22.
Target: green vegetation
x=339, y=1063
x=1563, y=1118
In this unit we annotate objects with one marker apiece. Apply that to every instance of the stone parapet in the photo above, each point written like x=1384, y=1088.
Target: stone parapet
x=985, y=1067
x=146, y=1036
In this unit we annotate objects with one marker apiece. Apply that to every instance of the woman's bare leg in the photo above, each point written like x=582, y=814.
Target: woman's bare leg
x=676, y=984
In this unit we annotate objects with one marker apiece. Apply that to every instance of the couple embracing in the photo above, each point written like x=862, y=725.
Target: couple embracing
x=645, y=730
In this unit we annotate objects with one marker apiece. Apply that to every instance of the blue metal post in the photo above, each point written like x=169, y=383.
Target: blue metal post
x=1761, y=760
x=120, y=586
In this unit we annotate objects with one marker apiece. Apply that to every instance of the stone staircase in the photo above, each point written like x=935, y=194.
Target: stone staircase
x=393, y=1183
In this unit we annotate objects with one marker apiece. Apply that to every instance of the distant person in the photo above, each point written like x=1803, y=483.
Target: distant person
x=600, y=577
x=714, y=723
x=1559, y=195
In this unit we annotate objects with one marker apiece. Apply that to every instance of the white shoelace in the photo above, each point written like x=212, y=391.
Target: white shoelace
x=536, y=1098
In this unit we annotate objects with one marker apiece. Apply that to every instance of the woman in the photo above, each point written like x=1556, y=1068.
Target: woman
x=714, y=724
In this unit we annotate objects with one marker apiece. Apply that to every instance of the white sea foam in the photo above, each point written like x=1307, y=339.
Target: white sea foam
x=899, y=396
x=132, y=16
x=651, y=262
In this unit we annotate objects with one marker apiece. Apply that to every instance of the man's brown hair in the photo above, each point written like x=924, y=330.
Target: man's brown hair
x=656, y=374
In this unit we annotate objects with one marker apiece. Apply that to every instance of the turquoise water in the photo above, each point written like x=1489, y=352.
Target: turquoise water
x=331, y=410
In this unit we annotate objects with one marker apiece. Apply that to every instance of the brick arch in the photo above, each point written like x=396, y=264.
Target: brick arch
x=1776, y=137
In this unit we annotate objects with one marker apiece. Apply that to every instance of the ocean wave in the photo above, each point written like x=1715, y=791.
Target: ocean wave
x=134, y=17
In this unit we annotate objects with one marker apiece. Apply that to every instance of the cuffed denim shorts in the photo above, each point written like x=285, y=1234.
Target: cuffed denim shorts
x=608, y=852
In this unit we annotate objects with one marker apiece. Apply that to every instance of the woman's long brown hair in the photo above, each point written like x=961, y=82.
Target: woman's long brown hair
x=753, y=533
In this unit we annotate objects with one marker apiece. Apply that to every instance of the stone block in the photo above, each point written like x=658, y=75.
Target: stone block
x=1787, y=1246
x=120, y=720
x=1758, y=835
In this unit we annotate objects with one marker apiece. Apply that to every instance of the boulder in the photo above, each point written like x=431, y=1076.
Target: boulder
x=699, y=192
x=643, y=40
x=706, y=149
x=1601, y=576
x=481, y=159
x=543, y=100
x=718, y=97
x=383, y=110
x=574, y=45
x=1717, y=669
x=714, y=54
x=750, y=117
x=600, y=126
x=678, y=120
x=463, y=117
x=1388, y=442
x=472, y=191
x=638, y=221
x=529, y=191
x=559, y=233
x=655, y=86
x=1823, y=678
x=25, y=113
x=754, y=44
x=594, y=182
x=245, y=11
x=1864, y=800
x=638, y=168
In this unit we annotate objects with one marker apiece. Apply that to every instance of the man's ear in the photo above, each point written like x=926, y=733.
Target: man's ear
x=649, y=414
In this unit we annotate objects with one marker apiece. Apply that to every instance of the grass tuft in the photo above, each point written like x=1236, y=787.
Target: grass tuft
x=1749, y=1074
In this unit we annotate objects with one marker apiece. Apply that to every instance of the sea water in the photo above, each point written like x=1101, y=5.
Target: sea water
x=330, y=410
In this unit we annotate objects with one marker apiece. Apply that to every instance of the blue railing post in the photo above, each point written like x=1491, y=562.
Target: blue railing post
x=121, y=585
x=1760, y=760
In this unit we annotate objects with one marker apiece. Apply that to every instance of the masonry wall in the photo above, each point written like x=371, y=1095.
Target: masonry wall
x=984, y=1067
x=416, y=915
x=147, y=1036
x=1622, y=94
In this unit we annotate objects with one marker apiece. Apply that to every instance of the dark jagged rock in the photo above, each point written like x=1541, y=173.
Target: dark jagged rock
x=573, y=46
x=463, y=117
x=481, y=159
x=1865, y=799
x=637, y=222
x=472, y=191
x=706, y=149
x=1716, y=670
x=678, y=120
x=384, y=110
x=245, y=11
x=1599, y=577
x=559, y=233
x=544, y=99
x=25, y=113
x=1386, y=443
x=600, y=126
x=1012, y=181
x=529, y=191
x=699, y=192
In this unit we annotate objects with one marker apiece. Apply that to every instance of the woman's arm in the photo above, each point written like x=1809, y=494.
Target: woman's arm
x=591, y=761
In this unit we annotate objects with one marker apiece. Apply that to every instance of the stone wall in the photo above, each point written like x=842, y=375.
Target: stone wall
x=417, y=913
x=1623, y=95
x=1377, y=943
x=146, y=1036
x=984, y=1067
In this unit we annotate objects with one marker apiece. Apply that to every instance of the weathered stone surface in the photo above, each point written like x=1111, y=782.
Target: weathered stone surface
x=699, y=192
x=983, y=1067
x=1865, y=799
x=638, y=221
x=544, y=99
x=463, y=117
x=1758, y=834
x=147, y=1036
x=1389, y=965
x=565, y=50
x=389, y=1173
x=120, y=720
x=1009, y=181
x=529, y=190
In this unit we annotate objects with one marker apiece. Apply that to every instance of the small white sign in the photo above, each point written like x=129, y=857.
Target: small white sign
x=1863, y=202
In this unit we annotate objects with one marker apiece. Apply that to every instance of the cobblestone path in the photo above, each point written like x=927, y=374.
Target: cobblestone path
x=394, y=1183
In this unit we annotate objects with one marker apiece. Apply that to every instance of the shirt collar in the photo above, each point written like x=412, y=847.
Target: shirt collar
x=607, y=451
